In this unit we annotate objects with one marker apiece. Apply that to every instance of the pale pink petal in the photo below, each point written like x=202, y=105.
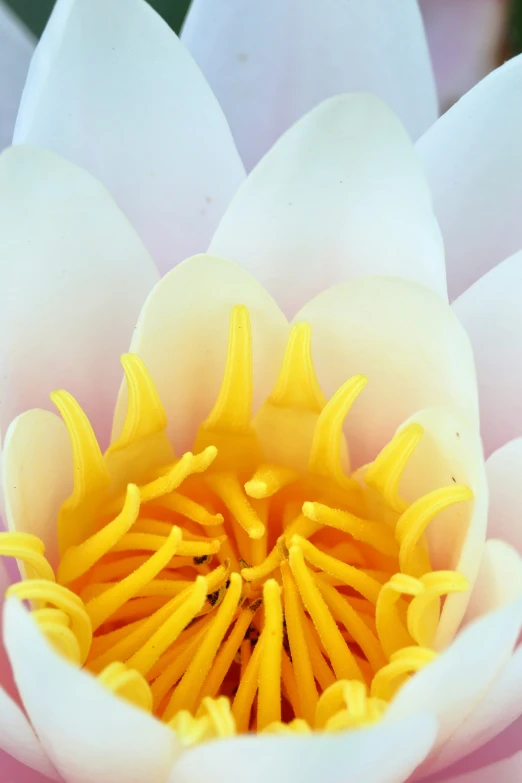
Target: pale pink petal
x=491, y=313
x=386, y=753
x=405, y=340
x=182, y=337
x=506, y=771
x=89, y=734
x=452, y=686
x=472, y=162
x=465, y=39
x=112, y=89
x=16, y=48
x=16, y=772
x=499, y=581
x=18, y=739
x=270, y=62
x=504, y=471
x=37, y=476
x=340, y=195
x=74, y=277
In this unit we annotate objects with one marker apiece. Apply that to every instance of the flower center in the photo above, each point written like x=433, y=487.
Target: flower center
x=253, y=585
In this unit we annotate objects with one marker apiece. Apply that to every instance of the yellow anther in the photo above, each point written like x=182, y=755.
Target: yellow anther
x=296, y=726
x=101, y=608
x=146, y=657
x=176, y=475
x=187, y=692
x=269, y=695
x=189, y=731
x=150, y=542
x=220, y=716
x=30, y=550
x=403, y=662
x=353, y=577
x=328, y=443
x=269, y=564
x=385, y=473
x=343, y=661
x=269, y=479
x=188, y=508
x=63, y=599
x=128, y=684
x=390, y=628
x=77, y=560
x=228, y=488
x=91, y=478
x=422, y=621
x=332, y=699
x=297, y=386
x=242, y=704
x=63, y=640
x=377, y=534
x=414, y=521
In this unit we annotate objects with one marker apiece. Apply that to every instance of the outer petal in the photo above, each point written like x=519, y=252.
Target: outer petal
x=504, y=470
x=499, y=581
x=74, y=276
x=340, y=195
x=89, y=734
x=472, y=163
x=387, y=753
x=450, y=452
x=37, y=475
x=17, y=772
x=111, y=88
x=270, y=62
x=405, y=340
x=465, y=39
x=16, y=48
x=491, y=313
x=182, y=337
x=506, y=771
x=451, y=686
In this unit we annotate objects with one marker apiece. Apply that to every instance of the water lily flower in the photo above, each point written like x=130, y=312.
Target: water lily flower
x=269, y=553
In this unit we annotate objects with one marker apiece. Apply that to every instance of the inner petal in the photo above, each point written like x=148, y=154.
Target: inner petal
x=255, y=584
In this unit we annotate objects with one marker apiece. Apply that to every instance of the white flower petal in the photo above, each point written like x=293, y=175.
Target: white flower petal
x=270, y=62
x=505, y=771
x=74, y=276
x=491, y=313
x=465, y=40
x=386, y=753
x=504, y=471
x=112, y=89
x=450, y=452
x=89, y=734
x=340, y=195
x=405, y=340
x=452, y=686
x=471, y=160
x=18, y=739
x=37, y=475
x=16, y=48
x=499, y=580
x=182, y=337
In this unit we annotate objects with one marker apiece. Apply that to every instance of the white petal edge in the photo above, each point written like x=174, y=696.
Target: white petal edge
x=450, y=452
x=405, y=340
x=88, y=733
x=74, y=277
x=387, y=753
x=269, y=63
x=505, y=771
x=112, y=89
x=491, y=314
x=453, y=685
x=182, y=337
x=504, y=471
x=475, y=174
x=16, y=49
x=37, y=476
x=340, y=195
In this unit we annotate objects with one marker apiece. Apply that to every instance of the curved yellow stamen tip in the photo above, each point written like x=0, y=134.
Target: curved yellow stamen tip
x=297, y=386
x=405, y=661
x=145, y=413
x=378, y=535
x=422, y=623
x=296, y=726
x=269, y=479
x=91, y=477
x=30, y=550
x=325, y=458
x=128, y=684
x=385, y=473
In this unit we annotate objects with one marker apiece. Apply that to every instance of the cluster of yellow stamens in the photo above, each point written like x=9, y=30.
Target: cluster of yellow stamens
x=253, y=585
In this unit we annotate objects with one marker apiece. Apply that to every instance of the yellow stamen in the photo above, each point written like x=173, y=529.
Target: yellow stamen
x=269, y=697
x=405, y=661
x=30, y=550
x=384, y=475
x=128, y=684
x=297, y=386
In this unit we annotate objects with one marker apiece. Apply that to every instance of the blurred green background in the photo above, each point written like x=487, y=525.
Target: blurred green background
x=35, y=12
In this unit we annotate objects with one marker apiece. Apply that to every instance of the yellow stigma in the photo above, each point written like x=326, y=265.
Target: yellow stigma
x=244, y=586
